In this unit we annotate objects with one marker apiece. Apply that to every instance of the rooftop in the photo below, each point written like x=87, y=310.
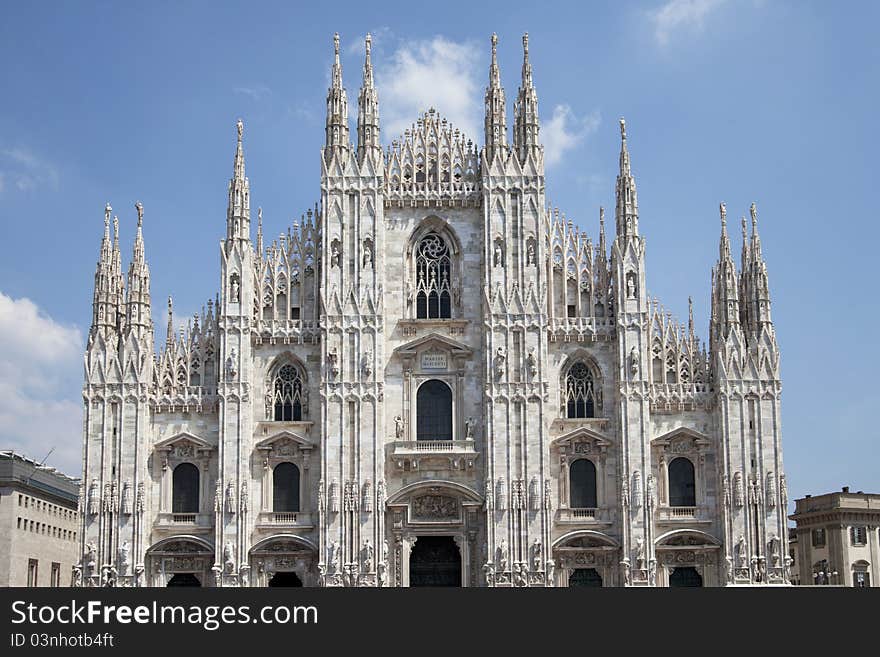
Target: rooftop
x=20, y=471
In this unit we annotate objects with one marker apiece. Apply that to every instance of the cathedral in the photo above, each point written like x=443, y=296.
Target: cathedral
x=433, y=379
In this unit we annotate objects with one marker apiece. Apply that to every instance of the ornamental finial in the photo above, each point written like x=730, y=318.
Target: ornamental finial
x=723, y=209
x=239, y=125
x=623, y=128
x=140, y=210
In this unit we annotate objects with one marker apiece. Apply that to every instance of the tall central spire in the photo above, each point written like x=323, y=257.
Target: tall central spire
x=496, y=120
x=238, y=209
x=337, y=108
x=627, y=212
x=368, y=110
x=526, y=125
x=725, y=298
x=139, y=280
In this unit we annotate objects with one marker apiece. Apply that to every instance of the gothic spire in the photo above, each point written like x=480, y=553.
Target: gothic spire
x=259, y=232
x=169, y=334
x=627, y=212
x=496, y=109
x=526, y=125
x=104, y=299
x=725, y=297
x=337, y=108
x=755, y=283
x=238, y=209
x=139, y=279
x=368, y=110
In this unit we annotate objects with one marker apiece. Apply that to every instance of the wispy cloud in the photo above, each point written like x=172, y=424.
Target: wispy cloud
x=675, y=15
x=256, y=93
x=564, y=131
x=41, y=361
x=420, y=74
x=24, y=171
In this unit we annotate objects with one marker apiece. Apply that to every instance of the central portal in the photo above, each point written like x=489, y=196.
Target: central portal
x=435, y=561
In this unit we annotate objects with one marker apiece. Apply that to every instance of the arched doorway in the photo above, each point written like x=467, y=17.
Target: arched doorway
x=588, y=577
x=686, y=577
x=286, y=579
x=435, y=561
x=184, y=579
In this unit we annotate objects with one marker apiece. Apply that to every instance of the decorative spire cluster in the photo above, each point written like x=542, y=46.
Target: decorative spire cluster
x=754, y=285
x=368, y=111
x=496, y=119
x=337, y=109
x=238, y=210
x=526, y=125
x=627, y=211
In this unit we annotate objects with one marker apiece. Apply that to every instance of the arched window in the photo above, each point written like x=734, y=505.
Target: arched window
x=285, y=488
x=433, y=278
x=582, y=479
x=185, y=489
x=434, y=411
x=682, y=490
x=286, y=391
x=579, y=399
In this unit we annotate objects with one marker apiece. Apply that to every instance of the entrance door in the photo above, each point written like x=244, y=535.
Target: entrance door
x=184, y=579
x=287, y=579
x=685, y=577
x=585, y=577
x=435, y=561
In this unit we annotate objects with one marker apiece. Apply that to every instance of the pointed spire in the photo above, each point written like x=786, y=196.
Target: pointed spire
x=627, y=212
x=724, y=243
x=138, y=307
x=169, y=335
x=368, y=111
x=496, y=109
x=526, y=125
x=756, y=239
x=691, y=333
x=238, y=209
x=755, y=282
x=602, y=246
x=260, y=232
x=725, y=297
x=337, y=108
x=104, y=298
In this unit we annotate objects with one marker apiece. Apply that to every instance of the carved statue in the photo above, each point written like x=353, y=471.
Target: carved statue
x=741, y=559
x=640, y=554
x=502, y=556
x=501, y=495
x=367, y=363
x=634, y=360
x=334, y=557
x=228, y=559
x=499, y=255
x=783, y=491
x=333, y=360
x=500, y=359
x=235, y=288
x=230, y=365
x=367, y=555
x=637, y=490
x=124, y=557
x=530, y=254
x=469, y=428
x=368, y=255
x=531, y=364
x=230, y=498
x=771, y=490
x=94, y=501
x=334, y=496
x=773, y=550
x=398, y=427
x=630, y=287
x=126, y=498
x=91, y=557
x=738, y=493
x=536, y=555
x=519, y=574
x=651, y=491
x=334, y=254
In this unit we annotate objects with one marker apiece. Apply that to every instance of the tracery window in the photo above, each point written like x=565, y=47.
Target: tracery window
x=433, y=274
x=286, y=390
x=579, y=393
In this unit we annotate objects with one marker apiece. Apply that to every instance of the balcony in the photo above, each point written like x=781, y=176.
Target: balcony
x=189, y=522
x=285, y=520
x=583, y=516
x=682, y=514
x=434, y=454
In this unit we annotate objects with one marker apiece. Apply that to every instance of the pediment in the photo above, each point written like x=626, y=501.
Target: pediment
x=682, y=435
x=434, y=341
x=183, y=439
x=583, y=435
x=283, y=442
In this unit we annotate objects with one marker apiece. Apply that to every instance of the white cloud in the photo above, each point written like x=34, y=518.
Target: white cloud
x=255, y=93
x=437, y=73
x=40, y=368
x=25, y=171
x=564, y=131
x=677, y=14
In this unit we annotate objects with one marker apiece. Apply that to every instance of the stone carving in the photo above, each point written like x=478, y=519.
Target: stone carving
x=334, y=496
x=334, y=253
x=367, y=364
x=367, y=501
x=519, y=574
x=124, y=557
x=234, y=289
x=218, y=498
x=367, y=556
x=368, y=254
x=652, y=492
x=469, y=428
x=139, y=498
x=639, y=554
x=126, y=505
x=516, y=494
x=634, y=361
x=380, y=495
x=637, y=490
x=783, y=491
x=435, y=507
x=489, y=496
x=499, y=254
x=333, y=558
x=742, y=560
x=243, y=498
x=773, y=549
x=333, y=362
x=725, y=493
x=499, y=361
x=502, y=557
x=536, y=551
x=501, y=495
x=531, y=364
x=631, y=286
x=771, y=490
x=530, y=253
x=534, y=495
x=398, y=427
x=94, y=498
x=230, y=498
x=229, y=557
x=231, y=368
x=91, y=558
x=350, y=496
x=548, y=499
x=738, y=493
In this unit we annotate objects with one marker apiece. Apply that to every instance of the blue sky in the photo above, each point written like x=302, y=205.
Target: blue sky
x=736, y=101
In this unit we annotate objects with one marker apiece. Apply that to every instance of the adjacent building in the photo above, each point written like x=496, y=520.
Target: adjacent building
x=434, y=379
x=838, y=539
x=39, y=523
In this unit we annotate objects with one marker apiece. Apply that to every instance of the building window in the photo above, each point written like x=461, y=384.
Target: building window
x=433, y=278
x=579, y=395
x=582, y=480
x=56, y=574
x=286, y=394
x=434, y=411
x=32, y=572
x=818, y=537
x=682, y=487
x=185, y=489
x=861, y=576
x=285, y=488
x=858, y=535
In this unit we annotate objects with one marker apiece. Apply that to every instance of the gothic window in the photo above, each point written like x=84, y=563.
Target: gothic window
x=682, y=489
x=433, y=274
x=185, y=489
x=434, y=411
x=579, y=394
x=285, y=488
x=286, y=394
x=582, y=479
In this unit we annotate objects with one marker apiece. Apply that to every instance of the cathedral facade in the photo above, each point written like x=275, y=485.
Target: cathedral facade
x=432, y=379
